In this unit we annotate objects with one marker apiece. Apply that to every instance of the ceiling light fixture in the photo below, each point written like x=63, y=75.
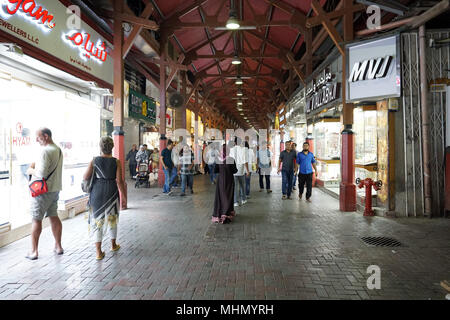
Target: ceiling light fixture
x=239, y=93
x=233, y=23
x=236, y=60
x=239, y=81
x=239, y=103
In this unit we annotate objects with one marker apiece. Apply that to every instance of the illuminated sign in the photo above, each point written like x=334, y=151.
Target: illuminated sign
x=370, y=69
x=81, y=40
x=28, y=9
x=373, y=69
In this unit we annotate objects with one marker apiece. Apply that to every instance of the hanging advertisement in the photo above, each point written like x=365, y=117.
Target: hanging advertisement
x=141, y=107
x=373, y=69
x=44, y=25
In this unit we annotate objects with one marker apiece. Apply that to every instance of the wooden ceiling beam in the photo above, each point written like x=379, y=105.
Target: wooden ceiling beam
x=328, y=26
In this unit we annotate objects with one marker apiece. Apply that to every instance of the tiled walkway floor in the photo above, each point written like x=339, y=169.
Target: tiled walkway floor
x=274, y=249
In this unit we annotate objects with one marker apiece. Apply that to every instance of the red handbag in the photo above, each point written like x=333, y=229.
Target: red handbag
x=39, y=187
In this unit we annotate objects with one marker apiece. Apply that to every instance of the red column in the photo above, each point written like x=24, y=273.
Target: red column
x=118, y=134
x=347, y=190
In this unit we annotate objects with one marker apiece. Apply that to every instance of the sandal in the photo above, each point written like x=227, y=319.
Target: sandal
x=29, y=257
x=101, y=256
x=116, y=248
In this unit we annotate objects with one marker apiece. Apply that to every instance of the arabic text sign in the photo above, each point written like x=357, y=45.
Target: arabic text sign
x=141, y=107
x=43, y=24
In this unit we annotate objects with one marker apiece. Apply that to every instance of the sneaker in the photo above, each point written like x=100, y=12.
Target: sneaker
x=269, y=191
x=300, y=196
x=183, y=194
x=283, y=197
x=169, y=193
x=309, y=200
x=244, y=202
x=248, y=197
x=236, y=204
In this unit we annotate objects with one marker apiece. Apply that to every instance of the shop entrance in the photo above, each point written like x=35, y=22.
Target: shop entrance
x=24, y=110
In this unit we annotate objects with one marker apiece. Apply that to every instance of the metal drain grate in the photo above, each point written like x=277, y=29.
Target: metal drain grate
x=381, y=241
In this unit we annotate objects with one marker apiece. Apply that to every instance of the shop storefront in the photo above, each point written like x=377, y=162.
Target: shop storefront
x=323, y=116
x=374, y=88
x=141, y=119
x=56, y=77
x=295, y=117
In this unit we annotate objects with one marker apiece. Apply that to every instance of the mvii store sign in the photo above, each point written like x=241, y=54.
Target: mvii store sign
x=43, y=24
x=374, y=69
x=321, y=91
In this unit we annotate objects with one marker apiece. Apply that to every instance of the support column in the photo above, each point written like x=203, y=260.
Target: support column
x=425, y=123
x=347, y=190
x=162, y=112
x=197, y=160
x=118, y=92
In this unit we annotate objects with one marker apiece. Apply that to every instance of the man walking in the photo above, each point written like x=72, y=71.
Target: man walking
x=287, y=159
x=170, y=172
x=264, y=166
x=49, y=167
x=132, y=163
x=306, y=161
x=211, y=158
x=239, y=154
x=186, y=169
x=294, y=177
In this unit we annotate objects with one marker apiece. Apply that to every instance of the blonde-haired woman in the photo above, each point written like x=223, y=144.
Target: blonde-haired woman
x=104, y=197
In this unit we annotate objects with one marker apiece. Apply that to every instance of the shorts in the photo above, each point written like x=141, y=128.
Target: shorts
x=45, y=205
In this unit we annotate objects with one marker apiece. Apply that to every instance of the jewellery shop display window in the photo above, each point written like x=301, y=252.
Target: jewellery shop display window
x=327, y=145
x=365, y=128
x=62, y=113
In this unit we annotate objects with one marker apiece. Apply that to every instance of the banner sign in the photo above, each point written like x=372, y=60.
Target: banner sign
x=46, y=24
x=321, y=91
x=373, y=69
x=141, y=107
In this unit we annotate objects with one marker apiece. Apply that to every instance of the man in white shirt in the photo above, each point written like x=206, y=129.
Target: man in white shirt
x=48, y=166
x=211, y=158
x=238, y=152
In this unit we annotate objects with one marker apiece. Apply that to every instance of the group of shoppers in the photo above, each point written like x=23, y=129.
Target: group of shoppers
x=234, y=172
x=230, y=171
x=292, y=163
x=143, y=155
x=107, y=180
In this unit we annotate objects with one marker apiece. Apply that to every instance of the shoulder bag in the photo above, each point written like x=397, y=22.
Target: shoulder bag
x=86, y=185
x=39, y=187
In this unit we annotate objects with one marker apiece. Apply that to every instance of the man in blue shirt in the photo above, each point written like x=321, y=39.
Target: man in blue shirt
x=306, y=161
x=170, y=172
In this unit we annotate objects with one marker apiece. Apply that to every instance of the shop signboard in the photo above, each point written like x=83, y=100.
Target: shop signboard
x=373, y=69
x=44, y=24
x=141, y=107
x=321, y=91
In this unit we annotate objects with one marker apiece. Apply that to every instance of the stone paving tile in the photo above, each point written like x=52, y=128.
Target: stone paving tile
x=274, y=249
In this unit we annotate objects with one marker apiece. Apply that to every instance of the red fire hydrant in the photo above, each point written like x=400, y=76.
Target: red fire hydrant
x=368, y=183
